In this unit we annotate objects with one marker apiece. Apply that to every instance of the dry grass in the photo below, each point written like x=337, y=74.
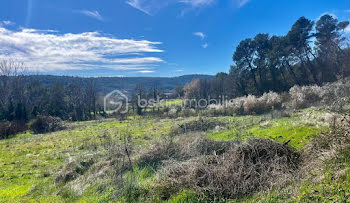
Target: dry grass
x=326, y=147
x=201, y=124
x=186, y=147
x=228, y=169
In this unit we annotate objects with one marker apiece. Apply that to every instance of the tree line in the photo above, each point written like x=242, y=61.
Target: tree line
x=20, y=102
x=310, y=53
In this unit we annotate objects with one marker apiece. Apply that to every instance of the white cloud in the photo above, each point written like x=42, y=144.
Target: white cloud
x=347, y=29
x=151, y=7
x=48, y=50
x=146, y=71
x=199, y=34
x=197, y=3
x=205, y=45
x=137, y=4
x=93, y=14
x=7, y=22
x=243, y=3
x=347, y=11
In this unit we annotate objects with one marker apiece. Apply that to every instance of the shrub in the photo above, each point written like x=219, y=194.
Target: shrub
x=185, y=148
x=7, y=129
x=271, y=100
x=187, y=112
x=44, y=124
x=336, y=95
x=74, y=167
x=237, y=105
x=305, y=96
x=243, y=169
x=252, y=105
x=201, y=124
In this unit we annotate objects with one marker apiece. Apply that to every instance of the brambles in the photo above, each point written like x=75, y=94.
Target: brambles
x=8, y=129
x=75, y=167
x=185, y=148
x=335, y=96
x=201, y=124
x=241, y=169
x=44, y=124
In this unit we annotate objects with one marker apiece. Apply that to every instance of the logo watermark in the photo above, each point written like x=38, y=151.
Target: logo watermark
x=116, y=101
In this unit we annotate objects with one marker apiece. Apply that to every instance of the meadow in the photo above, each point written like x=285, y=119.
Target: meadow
x=31, y=164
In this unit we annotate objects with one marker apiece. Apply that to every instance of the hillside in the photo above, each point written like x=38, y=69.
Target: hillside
x=296, y=149
x=108, y=84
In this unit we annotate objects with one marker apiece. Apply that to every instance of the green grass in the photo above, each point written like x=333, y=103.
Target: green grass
x=281, y=129
x=29, y=163
x=285, y=129
x=172, y=102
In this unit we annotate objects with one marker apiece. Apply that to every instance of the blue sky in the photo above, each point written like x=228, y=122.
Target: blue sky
x=143, y=37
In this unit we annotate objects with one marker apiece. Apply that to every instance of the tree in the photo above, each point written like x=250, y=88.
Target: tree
x=219, y=86
x=138, y=95
x=57, y=105
x=262, y=47
x=244, y=58
x=91, y=97
x=299, y=41
x=328, y=45
x=75, y=101
x=179, y=91
x=12, y=89
x=239, y=79
x=37, y=95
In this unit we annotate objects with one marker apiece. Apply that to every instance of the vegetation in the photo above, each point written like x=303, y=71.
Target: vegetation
x=310, y=53
x=82, y=162
x=282, y=137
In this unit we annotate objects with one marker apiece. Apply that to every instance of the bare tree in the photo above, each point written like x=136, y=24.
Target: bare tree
x=11, y=84
x=12, y=68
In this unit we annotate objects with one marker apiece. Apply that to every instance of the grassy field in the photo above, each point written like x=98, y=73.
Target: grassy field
x=29, y=163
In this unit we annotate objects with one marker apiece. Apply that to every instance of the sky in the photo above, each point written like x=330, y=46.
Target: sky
x=150, y=38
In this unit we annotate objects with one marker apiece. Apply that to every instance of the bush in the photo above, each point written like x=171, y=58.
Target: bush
x=254, y=105
x=185, y=148
x=45, y=124
x=336, y=95
x=305, y=96
x=243, y=169
x=7, y=129
x=187, y=112
x=201, y=124
x=237, y=105
x=74, y=168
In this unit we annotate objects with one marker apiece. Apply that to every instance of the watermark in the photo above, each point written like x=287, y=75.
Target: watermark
x=116, y=101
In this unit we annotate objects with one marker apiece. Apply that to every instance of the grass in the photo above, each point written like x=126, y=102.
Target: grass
x=280, y=129
x=285, y=129
x=28, y=162
x=330, y=184
x=172, y=102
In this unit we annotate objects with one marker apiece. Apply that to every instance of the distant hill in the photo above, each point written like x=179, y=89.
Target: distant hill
x=127, y=84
